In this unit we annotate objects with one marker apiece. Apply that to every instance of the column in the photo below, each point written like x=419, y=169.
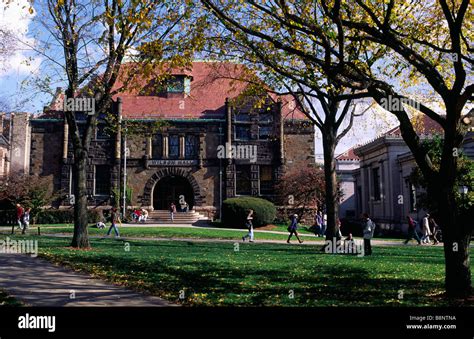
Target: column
x=182, y=154
x=165, y=146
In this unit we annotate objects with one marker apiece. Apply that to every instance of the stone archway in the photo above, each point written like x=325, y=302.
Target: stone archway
x=147, y=198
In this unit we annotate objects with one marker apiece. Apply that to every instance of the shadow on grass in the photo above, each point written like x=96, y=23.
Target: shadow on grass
x=256, y=275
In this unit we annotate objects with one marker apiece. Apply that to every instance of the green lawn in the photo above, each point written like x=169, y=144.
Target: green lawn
x=171, y=232
x=6, y=300
x=260, y=274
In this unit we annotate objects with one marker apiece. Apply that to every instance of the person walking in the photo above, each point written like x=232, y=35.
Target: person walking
x=412, y=231
x=434, y=229
x=114, y=218
x=26, y=220
x=324, y=223
x=19, y=216
x=426, y=230
x=318, y=224
x=368, y=232
x=249, y=225
x=293, y=228
x=172, y=211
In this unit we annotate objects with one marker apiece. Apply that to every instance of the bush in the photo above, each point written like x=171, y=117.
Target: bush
x=65, y=216
x=235, y=210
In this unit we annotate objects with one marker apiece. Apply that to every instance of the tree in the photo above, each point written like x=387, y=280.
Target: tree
x=464, y=179
x=30, y=191
x=267, y=37
x=421, y=47
x=95, y=38
x=430, y=44
x=304, y=187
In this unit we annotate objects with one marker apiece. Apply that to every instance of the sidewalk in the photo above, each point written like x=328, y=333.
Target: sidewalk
x=294, y=241
x=37, y=282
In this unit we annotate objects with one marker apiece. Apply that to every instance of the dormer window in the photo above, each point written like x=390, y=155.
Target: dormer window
x=179, y=84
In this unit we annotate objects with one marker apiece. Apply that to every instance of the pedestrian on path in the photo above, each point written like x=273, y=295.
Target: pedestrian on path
x=412, y=231
x=434, y=229
x=19, y=215
x=426, y=230
x=114, y=218
x=318, y=224
x=172, y=211
x=249, y=225
x=293, y=228
x=26, y=220
x=368, y=232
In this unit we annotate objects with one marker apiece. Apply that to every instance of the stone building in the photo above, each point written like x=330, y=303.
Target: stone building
x=213, y=143
x=382, y=185
x=346, y=163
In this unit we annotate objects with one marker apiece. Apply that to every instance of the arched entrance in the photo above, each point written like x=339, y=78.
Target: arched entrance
x=169, y=189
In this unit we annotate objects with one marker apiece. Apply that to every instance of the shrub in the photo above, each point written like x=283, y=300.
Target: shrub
x=65, y=216
x=235, y=210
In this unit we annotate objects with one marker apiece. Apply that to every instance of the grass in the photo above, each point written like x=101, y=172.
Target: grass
x=6, y=300
x=172, y=232
x=260, y=274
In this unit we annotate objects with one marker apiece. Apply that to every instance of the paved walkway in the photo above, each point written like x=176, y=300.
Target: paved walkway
x=37, y=282
x=294, y=241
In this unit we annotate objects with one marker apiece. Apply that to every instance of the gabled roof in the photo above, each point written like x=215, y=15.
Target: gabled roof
x=348, y=155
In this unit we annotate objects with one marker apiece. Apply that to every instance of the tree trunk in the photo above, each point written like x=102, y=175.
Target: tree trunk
x=332, y=207
x=81, y=237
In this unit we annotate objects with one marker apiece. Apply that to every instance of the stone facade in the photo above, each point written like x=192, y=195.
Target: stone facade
x=186, y=157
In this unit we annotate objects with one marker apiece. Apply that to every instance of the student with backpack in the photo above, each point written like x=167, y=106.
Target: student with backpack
x=293, y=228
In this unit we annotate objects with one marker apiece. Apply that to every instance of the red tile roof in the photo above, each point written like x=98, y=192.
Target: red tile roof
x=211, y=84
x=348, y=155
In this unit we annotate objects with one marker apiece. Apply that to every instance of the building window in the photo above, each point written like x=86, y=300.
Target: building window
x=157, y=147
x=266, y=180
x=265, y=118
x=242, y=132
x=176, y=84
x=173, y=150
x=101, y=132
x=242, y=180
x=102, y=180
x=191, y=146
x=264, y=132
x=241, y=117
x=376, y=182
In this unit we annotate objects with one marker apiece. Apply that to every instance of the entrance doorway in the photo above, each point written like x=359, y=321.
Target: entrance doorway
x=169, y=189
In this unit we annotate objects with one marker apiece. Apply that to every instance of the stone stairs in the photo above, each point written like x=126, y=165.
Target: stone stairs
x=163, y=217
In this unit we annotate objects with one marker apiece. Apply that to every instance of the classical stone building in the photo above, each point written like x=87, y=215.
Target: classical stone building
x=213, y=142
x=382, y=183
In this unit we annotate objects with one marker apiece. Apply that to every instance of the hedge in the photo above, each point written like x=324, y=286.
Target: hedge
x=235, y=210
x=8, y=217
